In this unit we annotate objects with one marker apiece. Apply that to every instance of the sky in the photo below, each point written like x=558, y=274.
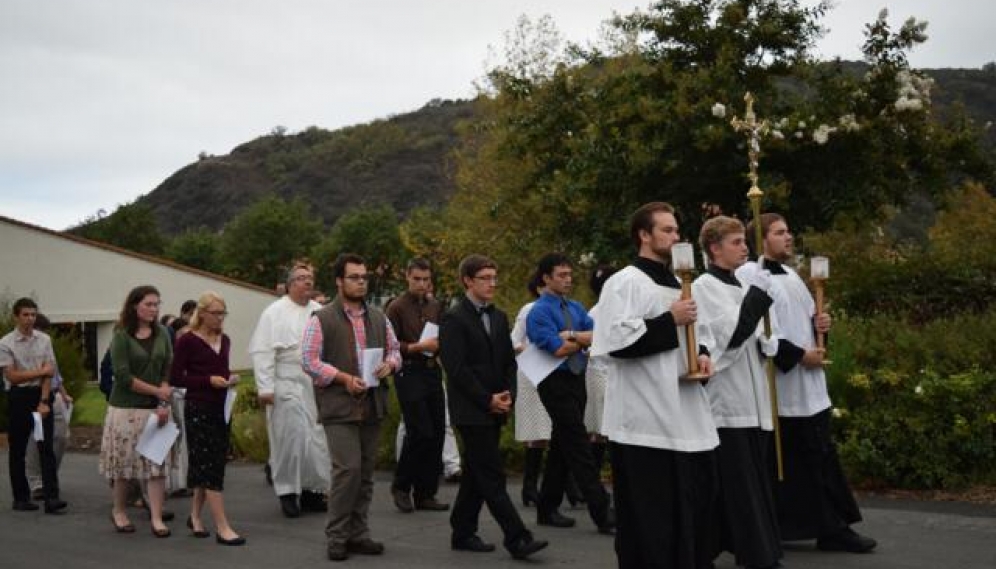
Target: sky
x=102, y=100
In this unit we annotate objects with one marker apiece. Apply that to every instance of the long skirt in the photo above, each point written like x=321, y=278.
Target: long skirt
x=118, y=455
x=532, y=422
x=207, y=446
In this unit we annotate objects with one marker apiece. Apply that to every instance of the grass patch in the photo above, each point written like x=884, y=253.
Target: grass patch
x=90, y=407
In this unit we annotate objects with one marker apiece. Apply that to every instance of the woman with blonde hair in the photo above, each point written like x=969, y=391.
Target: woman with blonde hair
x=141, y=353
x=201, y=366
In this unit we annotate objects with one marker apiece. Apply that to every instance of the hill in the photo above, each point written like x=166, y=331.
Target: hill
x=403, y=161
x=400, y=161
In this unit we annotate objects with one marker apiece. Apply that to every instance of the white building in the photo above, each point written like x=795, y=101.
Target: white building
x=78, y=281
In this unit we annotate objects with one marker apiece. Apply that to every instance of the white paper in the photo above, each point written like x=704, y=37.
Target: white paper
x=371, y=360
x=536, y=364
x=430, y=331
x=155, y=442
x=230, y=398
x=69, y=413
x=39, y=431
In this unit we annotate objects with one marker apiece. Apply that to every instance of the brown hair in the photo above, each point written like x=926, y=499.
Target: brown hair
x=473, y=264
x=643, y=219
x=716, y=229
x=128, y=320
x=767, y=220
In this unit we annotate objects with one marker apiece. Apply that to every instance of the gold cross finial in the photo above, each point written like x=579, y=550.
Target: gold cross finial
x=753, y=131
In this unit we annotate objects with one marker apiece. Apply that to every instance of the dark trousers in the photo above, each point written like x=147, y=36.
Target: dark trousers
x=666, y=507
x=814, y=500
x=483, y=482
x=563, y=394
x=21, y=402
x=423, y=406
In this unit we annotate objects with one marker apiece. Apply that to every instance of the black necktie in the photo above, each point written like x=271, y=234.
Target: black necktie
x=485, y=313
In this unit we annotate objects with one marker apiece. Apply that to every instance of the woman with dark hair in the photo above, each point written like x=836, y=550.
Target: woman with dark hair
x=140, y=354
x=532, y=423
x=201, y=366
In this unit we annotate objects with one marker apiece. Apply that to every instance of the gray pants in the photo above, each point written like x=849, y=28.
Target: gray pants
x=354, y=451
x=60, y=438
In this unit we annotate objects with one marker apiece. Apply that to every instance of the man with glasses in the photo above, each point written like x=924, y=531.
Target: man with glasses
x=299, y=456
x=349, y=349
x=419, y=386
x=476, y=352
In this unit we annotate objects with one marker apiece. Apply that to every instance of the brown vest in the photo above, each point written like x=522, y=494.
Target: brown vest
x=335, y=403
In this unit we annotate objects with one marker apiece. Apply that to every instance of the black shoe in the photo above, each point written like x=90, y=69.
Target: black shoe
x=846, y=540
x=25, y=506
x=608, y=525
x=55, y=506
x=201, y=533
x=402, y=500
x=237, y=540
x=288, y=503
x=555, y=519
x=472, y=543
x=365, y=547
x=525, y=546
x=431, y=504
x=337, y=552
x=313, y=502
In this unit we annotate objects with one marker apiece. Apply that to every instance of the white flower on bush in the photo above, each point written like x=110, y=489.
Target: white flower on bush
x=782, y=123
x=799, y=134
x=838, y=412
x=777, y=135
x=587, y=259
x=822, y=134
x=719, y=110
x=848, y=123
x=802, y=125
x=918, y=390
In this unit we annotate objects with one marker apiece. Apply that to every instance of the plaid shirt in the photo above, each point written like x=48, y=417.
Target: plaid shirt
x=323, y=373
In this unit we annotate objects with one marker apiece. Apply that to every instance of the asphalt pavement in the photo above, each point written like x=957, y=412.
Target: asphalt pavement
x=927, y=535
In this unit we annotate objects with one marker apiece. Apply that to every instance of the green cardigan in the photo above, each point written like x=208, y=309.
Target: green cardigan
x=130, y=360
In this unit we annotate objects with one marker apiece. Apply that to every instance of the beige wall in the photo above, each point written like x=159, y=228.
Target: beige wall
x=77, y=282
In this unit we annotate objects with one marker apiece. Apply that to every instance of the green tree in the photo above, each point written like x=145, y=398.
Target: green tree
x=132, y=226
x=259, y=244
x=371, y=232
x=198, y=248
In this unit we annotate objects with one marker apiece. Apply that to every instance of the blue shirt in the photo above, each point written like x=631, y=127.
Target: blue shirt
x=546, y=321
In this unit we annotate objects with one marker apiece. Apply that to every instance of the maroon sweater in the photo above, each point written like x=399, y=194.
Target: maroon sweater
x=194, y=362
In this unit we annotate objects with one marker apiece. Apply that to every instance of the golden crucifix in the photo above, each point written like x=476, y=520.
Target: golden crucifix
x=753, y=131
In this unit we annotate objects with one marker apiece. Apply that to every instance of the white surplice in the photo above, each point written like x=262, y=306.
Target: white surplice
x=299, y=454
x=646, y=404
x=738, y=389
x=802, y=392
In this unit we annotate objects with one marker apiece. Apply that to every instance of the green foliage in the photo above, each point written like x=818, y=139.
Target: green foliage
x=922, y=430
x=197, y=248
x=371, y=232
x=132, y=226
x=89, y=407
x=260, y=243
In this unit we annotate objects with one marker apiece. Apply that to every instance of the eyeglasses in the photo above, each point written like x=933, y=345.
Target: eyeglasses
x=303, y=278
x=357, y=278
x=491, y=280
x=217, y=313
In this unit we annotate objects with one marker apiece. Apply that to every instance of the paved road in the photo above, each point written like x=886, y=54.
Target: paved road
x=911, y=535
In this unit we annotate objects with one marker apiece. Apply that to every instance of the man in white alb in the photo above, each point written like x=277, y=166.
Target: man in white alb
x=299, y=456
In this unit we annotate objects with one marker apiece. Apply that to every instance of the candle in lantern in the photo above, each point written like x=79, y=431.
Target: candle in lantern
x=682, y=257
x=819, y=268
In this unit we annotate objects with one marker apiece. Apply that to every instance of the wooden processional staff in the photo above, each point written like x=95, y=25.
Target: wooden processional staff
x=753, y=130
x=683, y=263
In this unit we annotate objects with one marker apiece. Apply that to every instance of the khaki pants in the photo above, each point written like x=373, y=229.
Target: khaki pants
x=354, y=451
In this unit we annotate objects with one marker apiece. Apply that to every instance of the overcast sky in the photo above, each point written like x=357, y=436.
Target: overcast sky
x=102, y=100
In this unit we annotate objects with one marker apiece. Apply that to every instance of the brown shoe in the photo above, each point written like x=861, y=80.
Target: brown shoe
x=431, y=504
x=402, y=500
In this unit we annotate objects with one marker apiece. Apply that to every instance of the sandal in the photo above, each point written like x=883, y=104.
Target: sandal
x=126, y=528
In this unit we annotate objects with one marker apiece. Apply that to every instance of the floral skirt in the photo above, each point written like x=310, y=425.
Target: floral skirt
x=118, y=456
x=207, y=446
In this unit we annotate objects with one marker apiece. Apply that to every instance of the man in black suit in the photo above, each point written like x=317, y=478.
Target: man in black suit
x=476, y=352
